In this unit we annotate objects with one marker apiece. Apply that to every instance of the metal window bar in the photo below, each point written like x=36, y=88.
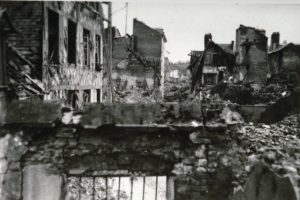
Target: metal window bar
x=119, y=178
x=131, y=188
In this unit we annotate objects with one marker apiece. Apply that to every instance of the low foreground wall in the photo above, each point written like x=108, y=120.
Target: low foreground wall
x=42, y=145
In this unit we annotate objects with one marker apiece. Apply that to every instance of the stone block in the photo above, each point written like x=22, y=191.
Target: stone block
x=198, y=137
x=3, y=166
x=96, y=115
x=264, y=184
x=125, y=159
x=32, y=112
x=16, y=149
x=65, y=132
x=11, y=186
x=14, y=166
x=286, y=189
x=4, y=145
x=238, y=195
x=39, y=183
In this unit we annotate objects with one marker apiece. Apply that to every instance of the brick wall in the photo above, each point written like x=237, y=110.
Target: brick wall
x=27, y=17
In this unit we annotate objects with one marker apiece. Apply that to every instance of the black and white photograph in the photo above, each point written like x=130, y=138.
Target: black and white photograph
x=150, y=100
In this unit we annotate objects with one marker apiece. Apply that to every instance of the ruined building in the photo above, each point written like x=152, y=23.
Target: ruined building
x=284, y=60
x=59, y=44
x=251, y=49
x=139, y=59
x=214, y=61
x=18, y=78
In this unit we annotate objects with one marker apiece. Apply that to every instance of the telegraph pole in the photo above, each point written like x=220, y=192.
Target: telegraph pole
x=109, y=88
x=110, y=61
x=126, y=17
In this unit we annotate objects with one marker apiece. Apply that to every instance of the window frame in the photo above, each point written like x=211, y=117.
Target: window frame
x=98, y=55
x=86, y=39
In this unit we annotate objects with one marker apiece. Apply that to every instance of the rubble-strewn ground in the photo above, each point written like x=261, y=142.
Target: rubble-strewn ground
x=244, y=93
x=135, y=96
x=176, y=91
x=277, y=145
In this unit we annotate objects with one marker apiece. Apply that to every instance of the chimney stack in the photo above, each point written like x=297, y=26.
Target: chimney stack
x=275, y=40
x=231, y=45
x=207, y=38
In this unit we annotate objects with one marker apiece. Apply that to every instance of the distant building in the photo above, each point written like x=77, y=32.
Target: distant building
x=174, y=74
x=284, y=60
x=167, y=68
x=139, y=60
x=60, y=43
x=214, y=60
x=251, y=49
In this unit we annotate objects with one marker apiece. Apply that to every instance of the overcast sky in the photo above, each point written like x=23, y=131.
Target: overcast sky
x=186, y=22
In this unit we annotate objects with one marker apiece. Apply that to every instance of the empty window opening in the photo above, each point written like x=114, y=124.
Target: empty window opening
x=72, y=98
x=87, y=96
x=86, y=47
x=72, y=42
x=53, y=32
x=98, y=53
x=98, y=95
x=135, y=43
x=210, y=79
x=117, y=188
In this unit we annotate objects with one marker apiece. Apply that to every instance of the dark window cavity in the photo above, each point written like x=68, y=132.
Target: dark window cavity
x=53, y=35
x=98, y=53
x=86, y=47
x=72, y=31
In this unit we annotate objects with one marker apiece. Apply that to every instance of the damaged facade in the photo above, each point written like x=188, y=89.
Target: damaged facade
x=215, y=60
x=284, y=60
x=252, y=54
x=62, y=43
x=139, y=60
x=19, y=76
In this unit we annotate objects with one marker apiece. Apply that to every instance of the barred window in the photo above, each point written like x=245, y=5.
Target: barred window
x=118, y=187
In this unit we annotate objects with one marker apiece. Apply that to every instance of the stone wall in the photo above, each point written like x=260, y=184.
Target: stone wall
x=37, y=153
x=264, y=184
x=139, y=60
x=148, y=40
x=285, y=64
x=255, y=57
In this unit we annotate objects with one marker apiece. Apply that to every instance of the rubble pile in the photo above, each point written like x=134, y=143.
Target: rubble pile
x=176, y=91
x=276, y=145
x=135, y=96
x=247, y=94
x=270, y=93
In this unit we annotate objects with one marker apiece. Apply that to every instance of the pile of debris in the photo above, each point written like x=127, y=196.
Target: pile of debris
x=276, y=145
x=248, y=94
x=23, y=78
x=135, y=96
x=176, y=91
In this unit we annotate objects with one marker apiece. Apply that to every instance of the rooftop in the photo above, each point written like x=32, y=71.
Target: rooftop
x=283, y=47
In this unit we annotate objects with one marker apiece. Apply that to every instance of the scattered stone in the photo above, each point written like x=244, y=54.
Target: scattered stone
x=3, y=166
